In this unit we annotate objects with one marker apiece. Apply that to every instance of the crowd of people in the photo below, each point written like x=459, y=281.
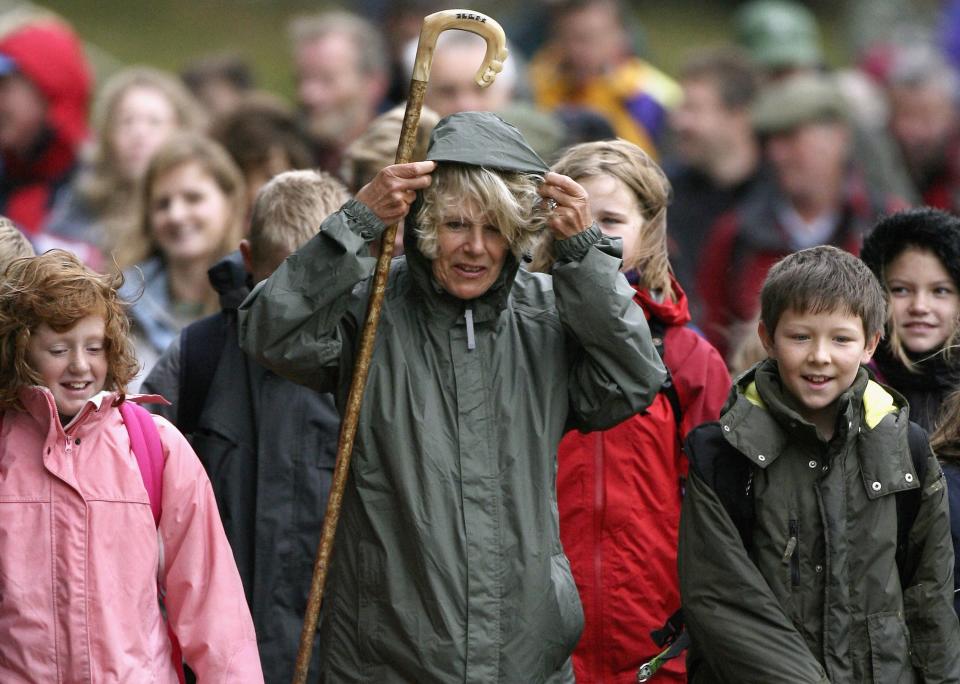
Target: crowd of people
x=662, y=358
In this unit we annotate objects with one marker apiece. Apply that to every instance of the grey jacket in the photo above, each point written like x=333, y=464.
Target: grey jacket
x=447, y=564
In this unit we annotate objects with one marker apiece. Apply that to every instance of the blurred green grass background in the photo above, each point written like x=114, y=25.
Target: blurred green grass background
x=169, y=33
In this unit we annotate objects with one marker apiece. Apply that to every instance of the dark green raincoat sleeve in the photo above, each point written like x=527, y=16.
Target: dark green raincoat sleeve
x=297, y=321
x=928, y=594
x=617, y=371
x=734, y=620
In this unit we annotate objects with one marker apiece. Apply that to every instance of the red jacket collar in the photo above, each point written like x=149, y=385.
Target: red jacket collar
x=667, y=311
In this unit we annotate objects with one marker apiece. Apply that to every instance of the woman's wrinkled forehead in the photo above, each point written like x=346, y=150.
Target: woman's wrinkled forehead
x=462, y=207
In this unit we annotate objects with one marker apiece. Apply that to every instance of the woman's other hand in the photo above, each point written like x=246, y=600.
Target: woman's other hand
x=571, y=215
x=392, y=191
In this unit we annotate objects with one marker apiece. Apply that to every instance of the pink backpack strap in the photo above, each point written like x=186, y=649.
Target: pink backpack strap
x=145, y=442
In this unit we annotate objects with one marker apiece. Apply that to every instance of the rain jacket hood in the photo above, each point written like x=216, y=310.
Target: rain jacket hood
x=479, y=139
x=51, y=57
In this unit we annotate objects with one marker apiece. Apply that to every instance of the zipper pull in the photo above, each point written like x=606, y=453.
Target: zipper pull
x=791, y=546
x=471, y=340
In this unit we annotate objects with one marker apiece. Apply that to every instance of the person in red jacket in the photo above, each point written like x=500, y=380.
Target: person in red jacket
x=44, y=95
x=619, y=490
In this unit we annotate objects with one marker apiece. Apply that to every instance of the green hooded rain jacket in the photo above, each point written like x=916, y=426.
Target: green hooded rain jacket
x=447, y=565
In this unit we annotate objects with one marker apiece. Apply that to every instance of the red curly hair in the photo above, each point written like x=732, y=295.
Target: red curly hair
x=55, y=288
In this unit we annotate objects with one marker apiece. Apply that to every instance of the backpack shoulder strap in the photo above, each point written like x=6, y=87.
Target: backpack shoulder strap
x=908, y=501
x=728, y=472
x=201, y=345
x=147, y=449
x=658, y=334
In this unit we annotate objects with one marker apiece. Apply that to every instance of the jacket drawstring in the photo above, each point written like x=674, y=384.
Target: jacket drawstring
x=471, y=340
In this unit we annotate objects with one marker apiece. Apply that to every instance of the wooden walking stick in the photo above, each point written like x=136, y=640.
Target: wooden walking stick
x=433, y=26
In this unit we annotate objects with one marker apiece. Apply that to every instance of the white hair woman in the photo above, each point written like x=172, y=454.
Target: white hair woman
x=448, y=564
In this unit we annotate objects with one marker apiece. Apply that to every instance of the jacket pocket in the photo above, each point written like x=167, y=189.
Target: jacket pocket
x=889, y=648
x=569, y=625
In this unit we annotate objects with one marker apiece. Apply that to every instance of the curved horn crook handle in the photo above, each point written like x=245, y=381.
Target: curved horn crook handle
x=465, y=20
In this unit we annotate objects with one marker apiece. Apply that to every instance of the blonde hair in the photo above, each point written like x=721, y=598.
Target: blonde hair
x=509, y=200
x=56, y=289
x=180, y=150
x=102, y=186
x=13, y=244
x=289, y=209
x=633, y=167
x=746, y=347
x=376, y=148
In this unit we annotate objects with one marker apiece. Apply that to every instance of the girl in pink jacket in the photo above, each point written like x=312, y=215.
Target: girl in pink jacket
x=82, y=560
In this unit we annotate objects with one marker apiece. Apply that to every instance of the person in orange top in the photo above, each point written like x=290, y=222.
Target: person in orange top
x=588, y=62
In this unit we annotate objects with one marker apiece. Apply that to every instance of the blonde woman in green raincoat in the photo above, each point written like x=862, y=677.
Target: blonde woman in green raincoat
x=447, y=564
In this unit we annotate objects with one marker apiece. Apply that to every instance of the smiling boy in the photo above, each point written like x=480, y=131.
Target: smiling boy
x=789, y=563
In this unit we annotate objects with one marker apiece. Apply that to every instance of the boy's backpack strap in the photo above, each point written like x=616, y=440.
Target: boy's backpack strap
x=728, y=472
x=201, y=345
x=658, y=333
x=908, y=501
x=145, y=442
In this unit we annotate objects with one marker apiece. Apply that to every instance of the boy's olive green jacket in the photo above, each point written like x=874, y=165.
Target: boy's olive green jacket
x=447, y=565
x=819, y=596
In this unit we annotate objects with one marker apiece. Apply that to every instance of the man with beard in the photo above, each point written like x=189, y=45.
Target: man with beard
x=342, y=76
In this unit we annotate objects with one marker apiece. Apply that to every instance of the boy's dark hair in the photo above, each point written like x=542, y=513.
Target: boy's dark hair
x=823, y=279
